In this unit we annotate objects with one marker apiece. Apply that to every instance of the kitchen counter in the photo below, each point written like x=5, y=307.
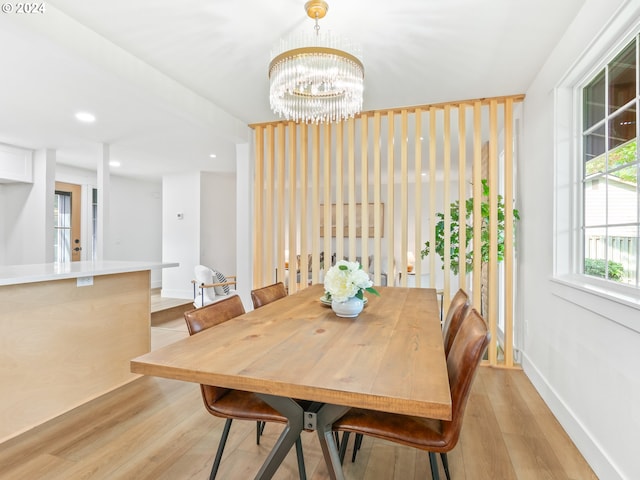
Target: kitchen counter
x=68, y=332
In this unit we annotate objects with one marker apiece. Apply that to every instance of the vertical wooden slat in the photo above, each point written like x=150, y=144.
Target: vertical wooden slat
x=327, y=196
x=351, y=188
x=293, y=226
x=446, y=188
x=377, y=199
x=390, y=267
x=417, y=220
x=492, y=289
x=280, y=190
x=404, y=196
x=269, y=214
x=508, y=233
x=258, y=197
x=477, y=202
x=303, y=264
x=462, y=195
x=339, y=192
x=364, y=189
x=433, y=219
x=315, y=217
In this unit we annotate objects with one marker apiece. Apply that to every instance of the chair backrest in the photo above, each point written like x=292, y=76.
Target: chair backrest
x=206, y=317
x=456, y=312
x=464, y=358
x=268, y=294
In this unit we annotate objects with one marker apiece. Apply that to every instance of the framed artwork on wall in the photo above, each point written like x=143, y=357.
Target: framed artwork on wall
x=370, y=211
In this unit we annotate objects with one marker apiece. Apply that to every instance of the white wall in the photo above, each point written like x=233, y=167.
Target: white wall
x=28, y=216
x=180, y=232
x=199, y=227
x=218, y=221
x=134, y=229
x=584, y=364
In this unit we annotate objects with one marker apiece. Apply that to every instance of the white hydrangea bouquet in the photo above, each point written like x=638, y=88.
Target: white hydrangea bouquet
x=346, y=280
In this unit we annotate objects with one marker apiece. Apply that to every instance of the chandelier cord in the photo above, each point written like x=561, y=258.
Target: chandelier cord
x=317, y=26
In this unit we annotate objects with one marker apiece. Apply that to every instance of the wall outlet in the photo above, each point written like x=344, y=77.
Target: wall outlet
x=84, y=281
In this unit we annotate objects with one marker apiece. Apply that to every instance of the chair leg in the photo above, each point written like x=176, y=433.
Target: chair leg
x=259, y=429
x=221, y=445
x=300, y=454
x=356, y=446
x=445, y=464
x=343, y=446
x=433, y=461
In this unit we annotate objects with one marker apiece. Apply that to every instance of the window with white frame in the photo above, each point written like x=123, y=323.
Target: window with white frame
x=610, y=196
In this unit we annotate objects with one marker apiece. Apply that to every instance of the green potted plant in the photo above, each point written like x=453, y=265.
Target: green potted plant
x=454, y=232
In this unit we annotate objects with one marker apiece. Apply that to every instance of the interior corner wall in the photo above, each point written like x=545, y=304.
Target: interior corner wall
x=583, y=363
x=180, y=232
x=218, y=221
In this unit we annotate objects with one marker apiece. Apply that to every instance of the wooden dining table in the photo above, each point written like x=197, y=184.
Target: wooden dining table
x=389, y=358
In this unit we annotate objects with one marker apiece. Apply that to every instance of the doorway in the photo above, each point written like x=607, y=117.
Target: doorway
x=67, y=222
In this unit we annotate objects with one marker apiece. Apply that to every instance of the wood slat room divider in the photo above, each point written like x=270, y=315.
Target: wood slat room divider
x=373, y=188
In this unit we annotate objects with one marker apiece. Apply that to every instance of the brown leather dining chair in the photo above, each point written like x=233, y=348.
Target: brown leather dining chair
x=432, y=435
x=455, y=314
x=228, y=403
x=268, y=294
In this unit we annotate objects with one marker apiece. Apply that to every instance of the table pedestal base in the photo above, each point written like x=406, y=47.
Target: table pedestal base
x=318, y=417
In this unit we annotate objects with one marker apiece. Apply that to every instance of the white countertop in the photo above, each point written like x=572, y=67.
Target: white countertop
x=43, y=272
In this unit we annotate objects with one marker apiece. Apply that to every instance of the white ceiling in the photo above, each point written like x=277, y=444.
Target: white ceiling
x=172, y=81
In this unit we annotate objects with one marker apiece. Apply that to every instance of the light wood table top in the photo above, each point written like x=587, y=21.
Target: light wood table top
x=389, y=358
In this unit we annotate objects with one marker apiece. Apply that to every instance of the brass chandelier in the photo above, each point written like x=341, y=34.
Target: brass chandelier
x=313, y=78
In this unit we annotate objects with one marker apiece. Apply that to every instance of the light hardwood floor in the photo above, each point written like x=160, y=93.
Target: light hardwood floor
x=158, y=429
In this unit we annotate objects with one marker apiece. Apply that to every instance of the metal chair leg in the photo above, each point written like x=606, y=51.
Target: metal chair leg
x=300, y=455
x=433, y=461
x=445, y=464
x=343, y=446
x=356, y=446
x=259, y=429
x=221, y=445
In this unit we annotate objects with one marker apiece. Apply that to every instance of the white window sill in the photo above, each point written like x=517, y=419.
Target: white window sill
x=618, y=306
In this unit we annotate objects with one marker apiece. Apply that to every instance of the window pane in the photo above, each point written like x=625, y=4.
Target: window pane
x=622, y=128
x=625, y=154
x=593, y=98
x=622, y=201
x=622, y=78
x=595, y=197
x=595, y=250
x=623, y=251
x=594, y=148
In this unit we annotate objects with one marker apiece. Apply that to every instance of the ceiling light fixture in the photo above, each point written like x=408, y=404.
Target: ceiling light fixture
x=85, y=117
x=312, y=77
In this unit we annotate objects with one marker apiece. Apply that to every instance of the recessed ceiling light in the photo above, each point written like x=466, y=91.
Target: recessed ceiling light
x=114, y=163
x=85, y=117
x=213, y=155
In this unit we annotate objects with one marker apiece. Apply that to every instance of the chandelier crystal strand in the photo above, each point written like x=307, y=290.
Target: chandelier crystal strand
x=316, y=78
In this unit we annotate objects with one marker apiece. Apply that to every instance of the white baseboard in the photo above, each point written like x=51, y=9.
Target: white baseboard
x=588, y=446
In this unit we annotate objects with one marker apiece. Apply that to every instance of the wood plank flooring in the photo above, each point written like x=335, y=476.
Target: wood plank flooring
x=158, y=429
